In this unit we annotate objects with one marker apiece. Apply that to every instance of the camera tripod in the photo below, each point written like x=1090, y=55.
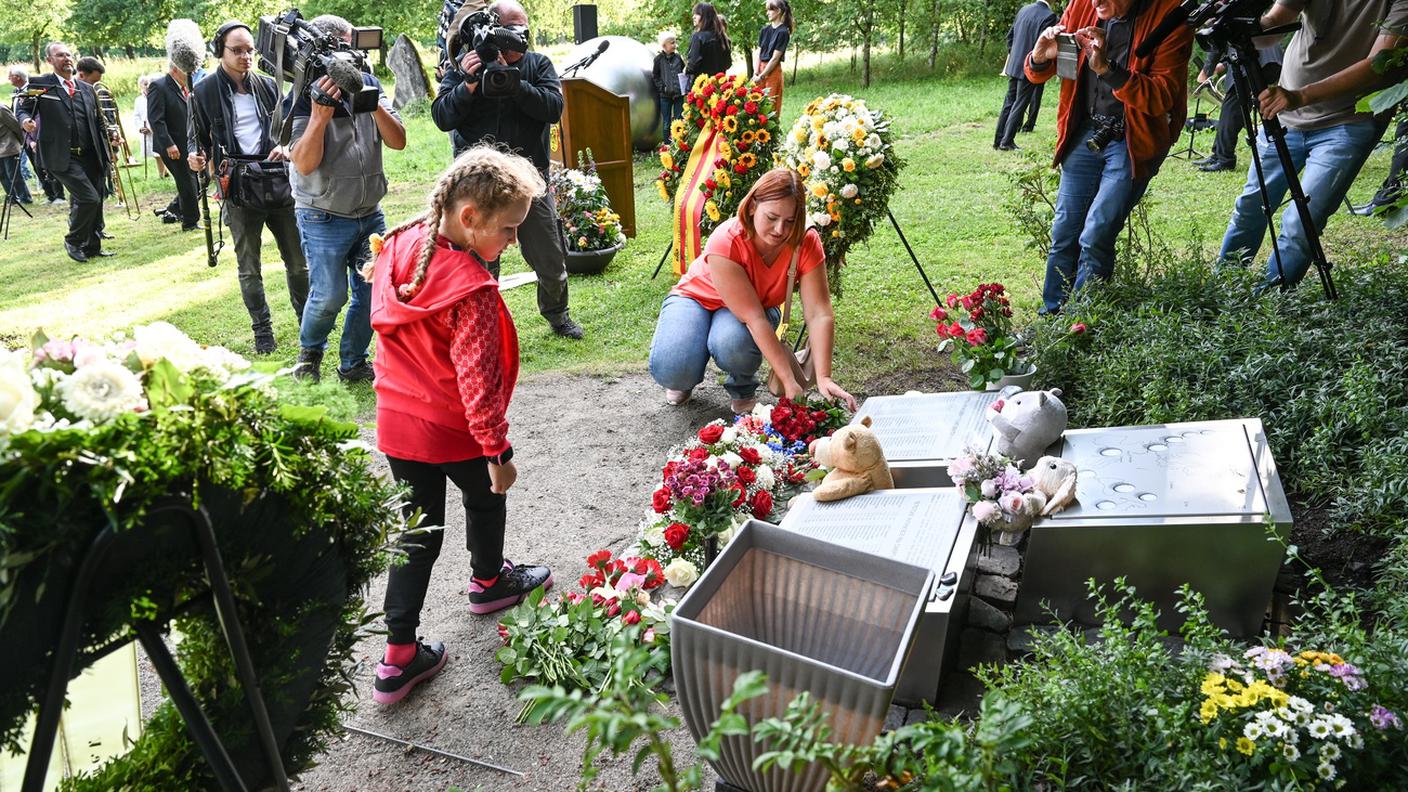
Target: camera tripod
x=7, y=212
x=1246, y=71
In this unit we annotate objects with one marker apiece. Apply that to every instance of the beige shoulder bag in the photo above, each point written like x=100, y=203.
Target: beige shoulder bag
x=803, y=369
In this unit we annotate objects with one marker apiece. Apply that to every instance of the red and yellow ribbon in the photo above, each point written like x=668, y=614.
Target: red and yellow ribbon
x=690, y=200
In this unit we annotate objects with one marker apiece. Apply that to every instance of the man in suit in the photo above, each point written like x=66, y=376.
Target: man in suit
x=167, y=111
x=73, y=146
x=53, y=191
x=1021, y=37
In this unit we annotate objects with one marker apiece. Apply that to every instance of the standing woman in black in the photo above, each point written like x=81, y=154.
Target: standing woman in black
x=772, y=43
x=710, y=51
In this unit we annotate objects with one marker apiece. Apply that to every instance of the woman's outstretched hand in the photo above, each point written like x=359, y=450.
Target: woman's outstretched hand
x=828, y=389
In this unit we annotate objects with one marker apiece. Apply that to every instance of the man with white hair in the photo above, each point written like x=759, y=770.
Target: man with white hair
x=520, y=121
x=73, y=145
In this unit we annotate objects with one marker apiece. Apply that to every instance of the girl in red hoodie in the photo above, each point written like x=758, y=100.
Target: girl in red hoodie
x=446, y=364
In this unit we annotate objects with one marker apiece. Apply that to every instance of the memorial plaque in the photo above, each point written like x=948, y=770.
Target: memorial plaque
x=921, y=433
x=1162, y=506
x=927, y=527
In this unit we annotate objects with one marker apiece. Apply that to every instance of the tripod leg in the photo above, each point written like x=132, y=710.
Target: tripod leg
x=914, y=258
x=663, y=256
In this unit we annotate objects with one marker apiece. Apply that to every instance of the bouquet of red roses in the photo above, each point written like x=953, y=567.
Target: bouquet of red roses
x=976, y=329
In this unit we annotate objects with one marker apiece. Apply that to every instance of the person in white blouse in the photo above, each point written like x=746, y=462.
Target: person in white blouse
x=139, y=118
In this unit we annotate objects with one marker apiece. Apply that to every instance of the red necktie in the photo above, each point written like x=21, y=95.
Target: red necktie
x=69, y=84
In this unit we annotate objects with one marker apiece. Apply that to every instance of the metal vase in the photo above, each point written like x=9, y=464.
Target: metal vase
x=813, y=616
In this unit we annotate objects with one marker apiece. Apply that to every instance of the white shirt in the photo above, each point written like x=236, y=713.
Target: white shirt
x=247, y=129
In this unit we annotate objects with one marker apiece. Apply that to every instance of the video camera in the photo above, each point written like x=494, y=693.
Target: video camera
x=483, y=32
x=291, y=48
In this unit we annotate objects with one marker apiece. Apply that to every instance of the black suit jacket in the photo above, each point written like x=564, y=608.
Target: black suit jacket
x=59, y=114
x=166, y=115
x=1021, y=37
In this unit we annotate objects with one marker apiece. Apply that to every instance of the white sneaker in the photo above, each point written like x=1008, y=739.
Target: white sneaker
x=743, y=406
x=676, y=397
x=57, y=202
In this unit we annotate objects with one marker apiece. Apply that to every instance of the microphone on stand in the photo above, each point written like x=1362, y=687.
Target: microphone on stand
x=587, y=61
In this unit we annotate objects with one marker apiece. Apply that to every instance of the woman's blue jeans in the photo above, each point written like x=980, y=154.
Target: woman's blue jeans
x=336, y=248
x=1097, y=194
x=687, y=334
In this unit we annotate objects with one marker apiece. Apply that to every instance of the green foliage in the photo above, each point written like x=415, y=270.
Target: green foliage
x=1185, y=341
x=624, y=712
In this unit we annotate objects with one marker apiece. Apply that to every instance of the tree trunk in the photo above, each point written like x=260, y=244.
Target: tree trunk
x=131, y=53
x=853, y=60
x=867, y=33
x=934, y=34
x=34, y=46
x=983, y=31
x=904, y=10
x=796, y=59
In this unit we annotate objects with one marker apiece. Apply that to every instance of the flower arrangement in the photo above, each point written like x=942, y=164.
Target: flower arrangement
x=584, y=208
x=726, y=474
x=1001, y=497
x=976, y=329
x=744, y=118
x=1303, y=717
x=97, y=433
x=845, y=151
x=567, y=641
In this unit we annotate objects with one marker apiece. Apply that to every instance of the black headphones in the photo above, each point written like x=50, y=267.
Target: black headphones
x=217, y=44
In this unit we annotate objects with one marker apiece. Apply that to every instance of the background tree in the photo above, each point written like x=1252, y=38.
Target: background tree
x=34, y=23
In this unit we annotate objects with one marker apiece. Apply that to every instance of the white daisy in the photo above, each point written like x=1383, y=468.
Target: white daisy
x=1320, y=728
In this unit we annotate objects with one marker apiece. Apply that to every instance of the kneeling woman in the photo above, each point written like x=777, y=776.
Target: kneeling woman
x=727, y=305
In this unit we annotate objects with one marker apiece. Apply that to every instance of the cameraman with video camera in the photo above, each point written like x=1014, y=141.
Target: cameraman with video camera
x=234, y=134
x=338, y=183
x=498, y=91
x=1118, y=116
x=1328, y=66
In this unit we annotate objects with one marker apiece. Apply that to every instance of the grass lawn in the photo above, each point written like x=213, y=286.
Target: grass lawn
x=951, y=206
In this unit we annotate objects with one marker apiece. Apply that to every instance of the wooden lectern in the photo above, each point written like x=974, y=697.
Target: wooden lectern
x=597, y=119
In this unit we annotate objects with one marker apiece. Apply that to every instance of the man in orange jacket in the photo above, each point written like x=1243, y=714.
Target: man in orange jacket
x=1115, y=124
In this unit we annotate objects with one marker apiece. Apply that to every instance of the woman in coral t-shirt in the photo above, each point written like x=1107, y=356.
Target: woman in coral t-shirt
x=727, y=306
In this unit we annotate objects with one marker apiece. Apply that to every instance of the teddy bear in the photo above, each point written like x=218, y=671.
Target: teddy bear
x=1027, y=423
x=1055, y=479
x=854, y=460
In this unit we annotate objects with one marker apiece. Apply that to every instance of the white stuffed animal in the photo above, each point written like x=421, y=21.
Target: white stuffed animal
x=1054, y=478
x=1027, y=423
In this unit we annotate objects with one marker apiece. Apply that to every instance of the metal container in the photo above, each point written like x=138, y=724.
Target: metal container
x=921, y=433
x=813, y=616
x=929, y=527
x=1162, y=506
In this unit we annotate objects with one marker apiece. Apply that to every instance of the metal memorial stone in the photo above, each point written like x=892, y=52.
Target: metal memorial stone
x=921, y=433
x=928, y=527
x=1162, y=506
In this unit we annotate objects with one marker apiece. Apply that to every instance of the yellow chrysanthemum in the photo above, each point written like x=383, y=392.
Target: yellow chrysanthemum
x=664, y=192
x=712, y=209
x=1245, y=746
x=667, y=161
x=730, y=123
x=848, y=165
x=819, y=189
x=1207, y=711
x=857, y=202
x=1212, y=683
x=836, y=233
x=764, y=136
x=375, y=242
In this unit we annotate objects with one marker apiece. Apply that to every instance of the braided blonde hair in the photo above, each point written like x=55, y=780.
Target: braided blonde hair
x=486, y=176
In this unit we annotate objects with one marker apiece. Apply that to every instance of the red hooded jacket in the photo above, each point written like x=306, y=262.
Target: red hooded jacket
x=1155, y=97
x=447, y=359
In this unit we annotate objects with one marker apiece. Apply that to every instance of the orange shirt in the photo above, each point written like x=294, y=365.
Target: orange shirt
x=770, y=282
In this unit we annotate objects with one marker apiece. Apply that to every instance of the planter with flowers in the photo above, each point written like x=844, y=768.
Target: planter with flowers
x=97, y=435
x=845, y=151
x=977, y=333
x=592, y=229
x=1003, y=500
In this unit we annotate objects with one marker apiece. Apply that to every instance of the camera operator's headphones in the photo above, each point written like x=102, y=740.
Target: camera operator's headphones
x=217, y=44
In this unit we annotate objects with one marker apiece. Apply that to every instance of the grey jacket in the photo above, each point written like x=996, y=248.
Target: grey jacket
x=1021, y=37
x=11, y=134
x=350, y=181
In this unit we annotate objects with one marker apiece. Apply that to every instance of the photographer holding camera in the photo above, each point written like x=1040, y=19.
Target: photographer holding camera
x=338, y=183
x=234, y=112
x=1118, y=116
x=495, y=90
x=1328, y=66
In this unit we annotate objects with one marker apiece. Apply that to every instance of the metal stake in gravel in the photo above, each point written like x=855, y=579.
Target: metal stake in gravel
x=410, y=744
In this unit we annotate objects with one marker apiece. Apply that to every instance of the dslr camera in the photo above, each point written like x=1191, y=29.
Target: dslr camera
x=290, y=47
x=489, y=38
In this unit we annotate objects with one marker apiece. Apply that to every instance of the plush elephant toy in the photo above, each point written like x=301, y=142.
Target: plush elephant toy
x=1027, y=423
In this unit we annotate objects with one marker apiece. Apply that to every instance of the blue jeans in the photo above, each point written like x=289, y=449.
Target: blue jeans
x=1098, y=191
x=1328, y=160
x=336, y=248
x=670, y=109
x=688, y=334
